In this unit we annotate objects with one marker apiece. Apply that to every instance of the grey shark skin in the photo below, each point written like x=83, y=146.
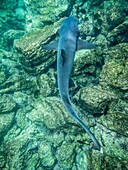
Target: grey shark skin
x=66, y=47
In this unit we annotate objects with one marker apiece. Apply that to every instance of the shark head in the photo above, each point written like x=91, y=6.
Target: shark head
x=69, y=25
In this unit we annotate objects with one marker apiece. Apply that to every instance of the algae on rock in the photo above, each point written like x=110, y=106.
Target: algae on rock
x=30, y=46
x=36, y=131
x=115, y=70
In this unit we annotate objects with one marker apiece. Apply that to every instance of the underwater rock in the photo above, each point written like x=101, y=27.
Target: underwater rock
x=10, y=22
x=117, y=117
x=115, y=72
x=55, y=138
x=42, y=16
x=2, y=160
x=115, y=154
x=15, y=83
x=33, y=57
x=116, y=14
x=8, y=17
x=93, y=22
x=117, y=148
x=6, y=122
x=11, y=35
x=9, y=5
x=13, y=78
x=82, y=160
x=87, y=67
x=50, y=112
x=46, y=85
x=119, y=34
x=21, y=4
x=20, y=117
x=95, y=100
x=20, y=14
x=23, y=143
x=42, y=113
x=65, y=155
x=7, y=104
x=85, y=60
x=36, y=131
x=101, y=43
x=2, y=77
x=45, y=154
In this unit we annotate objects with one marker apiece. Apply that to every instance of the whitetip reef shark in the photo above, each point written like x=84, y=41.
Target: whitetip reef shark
x=66, y=47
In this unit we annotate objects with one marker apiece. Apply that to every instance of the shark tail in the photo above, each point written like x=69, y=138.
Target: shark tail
x=68, y=105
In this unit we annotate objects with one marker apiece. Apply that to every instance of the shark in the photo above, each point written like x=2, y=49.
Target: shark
x=68, y=43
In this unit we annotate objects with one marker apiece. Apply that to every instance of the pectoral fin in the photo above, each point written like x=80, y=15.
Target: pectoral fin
x=84, y=45
x=51, y=46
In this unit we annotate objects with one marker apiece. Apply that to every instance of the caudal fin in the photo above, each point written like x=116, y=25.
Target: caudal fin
x=71, y=111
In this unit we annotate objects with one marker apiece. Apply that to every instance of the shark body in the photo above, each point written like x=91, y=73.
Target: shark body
x=66, y=47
